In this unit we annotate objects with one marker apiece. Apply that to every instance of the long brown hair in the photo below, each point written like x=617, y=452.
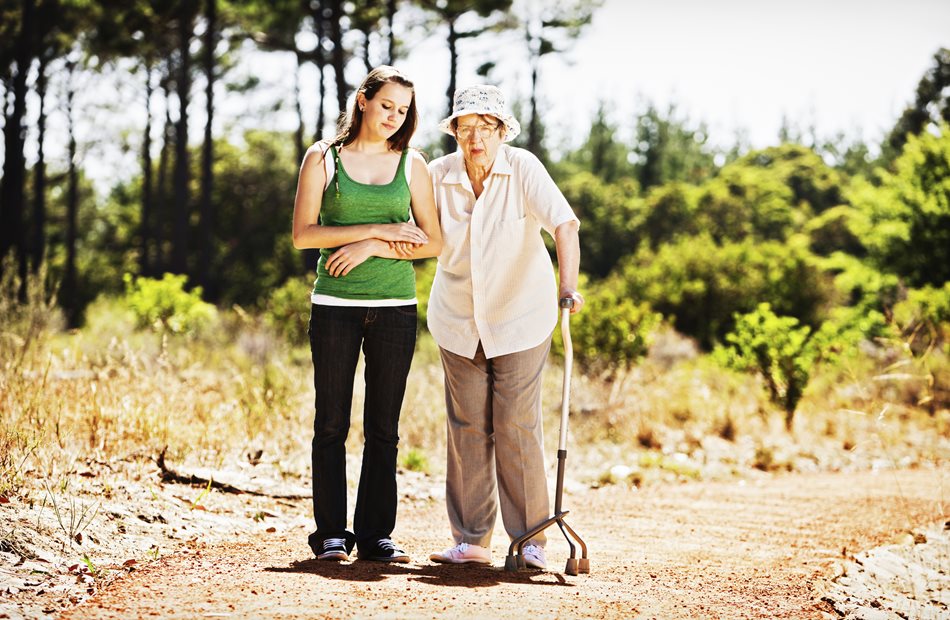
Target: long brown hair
x=349, y=125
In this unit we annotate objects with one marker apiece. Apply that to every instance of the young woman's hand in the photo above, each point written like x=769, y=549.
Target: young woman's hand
x=405, y=232
x=344, y=260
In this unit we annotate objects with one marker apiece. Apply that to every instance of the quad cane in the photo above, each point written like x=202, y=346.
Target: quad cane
x=575, y=565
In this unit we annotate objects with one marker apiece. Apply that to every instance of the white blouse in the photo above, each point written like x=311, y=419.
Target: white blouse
x=495, y=281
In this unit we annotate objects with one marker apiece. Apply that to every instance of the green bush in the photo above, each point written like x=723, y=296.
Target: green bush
x=165, y=305
x=924, y=318
x=905, y=220
x=833, y=231
x=861, y=285
x=776, y=348
x=700, y=285
x=612, y=331
x=425, y=274
x=785, y=354
x=287, y=310
x=609, y=214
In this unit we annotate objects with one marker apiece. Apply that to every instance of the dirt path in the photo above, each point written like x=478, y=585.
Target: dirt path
x=700, y=550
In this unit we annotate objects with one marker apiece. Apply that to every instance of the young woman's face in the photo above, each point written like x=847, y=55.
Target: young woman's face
x=385, y=113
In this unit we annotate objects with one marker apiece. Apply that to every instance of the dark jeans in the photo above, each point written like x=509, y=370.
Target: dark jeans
x=387, y=336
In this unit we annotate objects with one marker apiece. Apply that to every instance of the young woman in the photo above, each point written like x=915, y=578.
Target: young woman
x=355, y=196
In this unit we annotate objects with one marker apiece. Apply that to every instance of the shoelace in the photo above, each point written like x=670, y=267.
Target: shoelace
x=333, y=542
x=462, y=547
x=387, y=544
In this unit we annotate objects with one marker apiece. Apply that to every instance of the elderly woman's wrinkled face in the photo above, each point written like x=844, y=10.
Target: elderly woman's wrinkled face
x=479, y=136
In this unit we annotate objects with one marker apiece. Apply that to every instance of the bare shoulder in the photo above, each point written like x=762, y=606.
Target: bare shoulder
x=317, y=151
x=418, y=162
x=416, y=157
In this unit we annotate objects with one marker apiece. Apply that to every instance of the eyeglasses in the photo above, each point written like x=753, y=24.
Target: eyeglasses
x=464, y=132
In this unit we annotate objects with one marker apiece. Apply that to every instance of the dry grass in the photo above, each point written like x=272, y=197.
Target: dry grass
x=110, y=391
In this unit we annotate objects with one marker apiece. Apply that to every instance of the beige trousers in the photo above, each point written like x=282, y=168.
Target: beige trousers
x=495, y=441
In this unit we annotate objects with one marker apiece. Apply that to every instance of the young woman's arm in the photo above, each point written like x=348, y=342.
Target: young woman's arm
x=423, y=212
x=307, y=231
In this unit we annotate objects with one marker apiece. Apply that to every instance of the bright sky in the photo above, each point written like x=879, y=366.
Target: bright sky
x=839, y=65
x=737, y=65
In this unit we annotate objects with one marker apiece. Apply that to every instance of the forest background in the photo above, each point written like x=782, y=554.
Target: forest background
x=792, y=301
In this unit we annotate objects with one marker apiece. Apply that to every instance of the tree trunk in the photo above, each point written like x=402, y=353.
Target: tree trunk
x=310, y=257
x=179, y=263
x=322, y=83
x=298, y=135
x=206, y=223
x=70, y=290
x=39, y=175
x=390, y=16
x=448, y=142
x=339, y=57
x=366, y=62
x=534, y=140
x=162, y=212
x=14, y=133
x=145, y=229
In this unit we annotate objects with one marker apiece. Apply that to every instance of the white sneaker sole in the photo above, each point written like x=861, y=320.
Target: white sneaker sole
x=333, y=555
x=441, y=559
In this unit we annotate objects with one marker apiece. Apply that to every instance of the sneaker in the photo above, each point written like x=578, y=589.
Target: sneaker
x=534, y=557
x=383, y=550
x=463, y=553
x=333, y=549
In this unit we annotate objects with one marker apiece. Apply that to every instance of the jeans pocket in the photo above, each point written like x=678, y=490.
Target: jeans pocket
x=408, y=310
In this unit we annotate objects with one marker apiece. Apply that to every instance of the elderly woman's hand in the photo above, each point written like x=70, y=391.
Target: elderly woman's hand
x=573, y=294
x=405, y=232
x=404, y=248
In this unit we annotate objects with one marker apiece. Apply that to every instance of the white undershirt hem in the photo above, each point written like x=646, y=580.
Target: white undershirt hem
x=329, y=300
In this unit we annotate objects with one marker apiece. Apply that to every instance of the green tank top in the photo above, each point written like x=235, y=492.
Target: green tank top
x=347, y=202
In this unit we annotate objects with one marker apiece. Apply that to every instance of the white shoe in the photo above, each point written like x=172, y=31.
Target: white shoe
x=463, y=553
x=534, y=557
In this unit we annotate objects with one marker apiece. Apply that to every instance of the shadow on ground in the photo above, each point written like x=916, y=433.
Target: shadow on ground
x=465, y=575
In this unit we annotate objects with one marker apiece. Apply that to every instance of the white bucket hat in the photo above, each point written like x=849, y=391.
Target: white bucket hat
x=481, y=99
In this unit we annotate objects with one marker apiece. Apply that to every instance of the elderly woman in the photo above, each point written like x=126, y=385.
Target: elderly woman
x=492, y=310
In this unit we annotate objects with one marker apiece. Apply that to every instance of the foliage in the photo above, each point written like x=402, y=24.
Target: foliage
x=905, y=222
x=254, y=188
x=669, y=211
x=27, y=311
x=425, y=274
x=286, y=310
x=777, y=349
x=861, y=286
x=602, y=154
x=814, y=185
x=165, y=305
x=612, y=331
x=700, y=285
x=931, y=105
x=833, y=231
x=667, y=148
x=609, y=214
x=785, y=353
x=746, y=202
x=924, y=318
